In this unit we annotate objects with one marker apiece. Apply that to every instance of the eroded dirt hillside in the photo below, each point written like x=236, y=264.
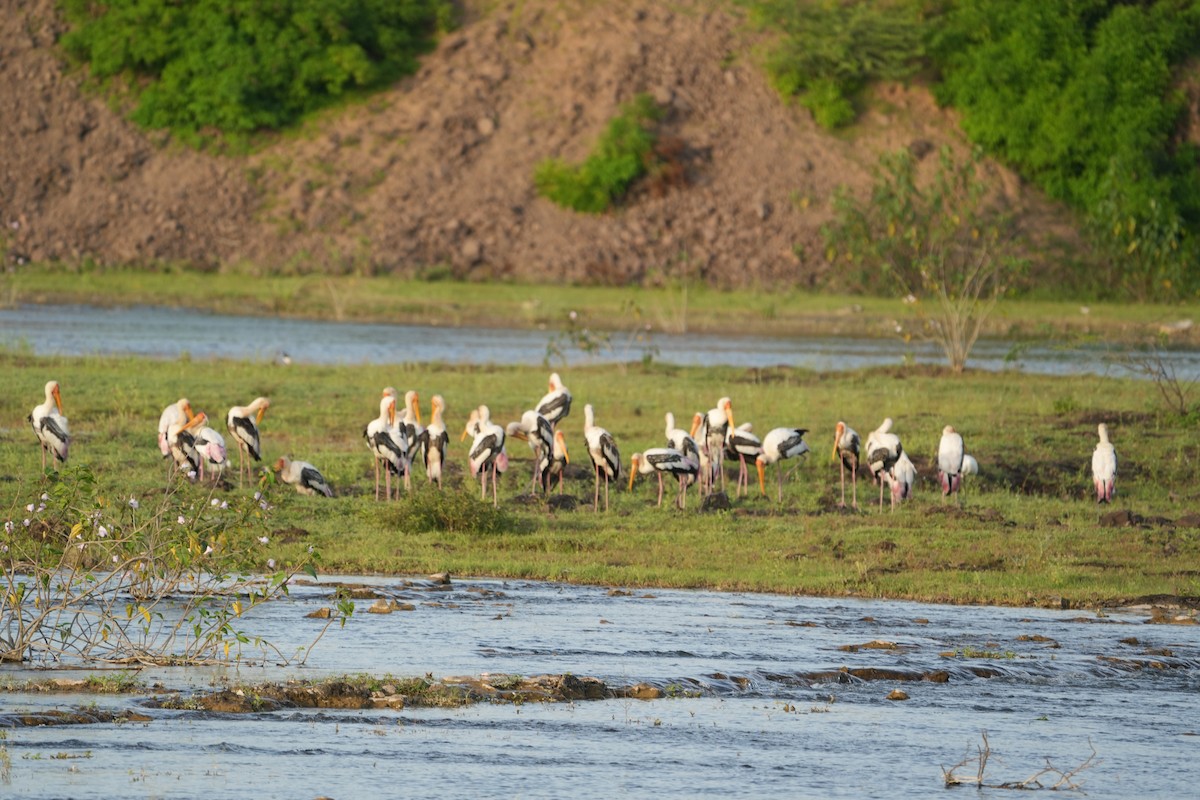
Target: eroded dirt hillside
x=436, y=173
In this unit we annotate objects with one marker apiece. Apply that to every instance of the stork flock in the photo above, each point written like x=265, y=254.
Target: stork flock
x=692, y=456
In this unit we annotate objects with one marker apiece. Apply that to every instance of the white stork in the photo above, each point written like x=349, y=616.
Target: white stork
x=50, y=426
x=388, y=445
x=304, y=476
x=556, y=404
x=182, y=439
x=210, y=446
x=602, y=448
x=412, y=424
x=539, y=433
x=883, y=450
x=741, y=443
x=950, y=461
x=845, y=451
x=178, y=412
x=242, y=423
x=668, y=460
x=779, y=444
x=559, y=461
x=434, y=441
x=716, y=422
x=1104, y=467
x=487, y=453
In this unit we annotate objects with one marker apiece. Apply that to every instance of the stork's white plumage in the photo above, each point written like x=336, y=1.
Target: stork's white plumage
x=1104, y=467
x=50, y=426
x=742, y=444
x=970, y=465
x=950, y=461
x=413, y=429
x=698, y=435
x=304, y=476
x=558, y=464
x=779, y=444
x=242, y=423
x=716, y=422
x=210, y=446
x=179, y=413
x=606, y=459
x=681, y=440
x=883, y=450
x=388, y=445
x=538, y=432
x=901, y=478
x=555, y=405
x=846, y=446
x=435, y=439
x=668, y=460
x=487, y=453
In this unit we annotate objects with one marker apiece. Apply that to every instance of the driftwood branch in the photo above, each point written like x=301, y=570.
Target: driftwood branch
x=1048, y=777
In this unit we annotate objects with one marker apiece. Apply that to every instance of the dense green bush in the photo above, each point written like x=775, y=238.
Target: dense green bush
x=1078, y=97
x=830, y=50
x=624, y=153
x=238, y=66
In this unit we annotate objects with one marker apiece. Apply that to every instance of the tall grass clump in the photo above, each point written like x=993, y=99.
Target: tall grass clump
x=429, y=511
x=830, y=50
x=624, y=153
x=241, y=66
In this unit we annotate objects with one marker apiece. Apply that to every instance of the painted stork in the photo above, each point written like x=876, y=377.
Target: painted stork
x=950, y=461
x=1104, y=467
x=178, y=412
x=559, y=461
x=716, y=422
x=412, y=424
x=242, y=423
x=970, y=467
x=50, y=426
x=741, y=443
x=388, y=444
x=304, y=476
x=883, y=450
x=845, y=451
x=538, y=432
x=487, y=453
x=434, y=441
x=182, y=439
x=556, y=404
x=681, y=440
x=698, y=435
x=659, y=460
x=777, y=445
x=210, y=446
x=606, y=459
x=901, y=478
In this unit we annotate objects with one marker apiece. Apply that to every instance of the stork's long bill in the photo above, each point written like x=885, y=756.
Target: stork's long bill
x=633, y=468
x=57, y=398
x=562, y=442
x=837, y=440
x=762, y=481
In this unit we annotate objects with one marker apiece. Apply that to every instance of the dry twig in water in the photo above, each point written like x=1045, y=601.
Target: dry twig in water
x=1062, y=779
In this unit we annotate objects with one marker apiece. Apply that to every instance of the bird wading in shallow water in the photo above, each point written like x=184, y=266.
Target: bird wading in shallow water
x=50, y=426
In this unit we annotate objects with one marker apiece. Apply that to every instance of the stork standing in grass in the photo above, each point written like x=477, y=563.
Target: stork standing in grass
x=845, y=452
x=210, y=446
x=901, y=478
x=950, y=461
x=304, y=476
x=388, y=445
x=558, y=461
x=741, y=443
x=779, y=444
x=716, y=422
x=178, y=412
x=679, y=439
x=883, y=450
x=412, y=426
x=606, y=459
x=660, y=460
x=537, y=431
x=243, y=422
x=50, y=426
x=434, y=441
x=1104, y=467
x=182, y=439
x=487, y=453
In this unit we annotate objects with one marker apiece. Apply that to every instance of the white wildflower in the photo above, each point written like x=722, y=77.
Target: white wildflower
x=41, y=507
x=29, y=508
x=181, y=520
x=133, y=503
x=208, y=550
x=45, y=496
x=9, y=527
x=270, y=563
x=263, y=540
x=191, y=474
x=102, y=531
x=224, y=505
x=258, y=495
x=214, y=502
x=25, y=522
x=114, y=559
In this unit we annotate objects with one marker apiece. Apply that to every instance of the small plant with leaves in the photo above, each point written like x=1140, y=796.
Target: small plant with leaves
x=88, y=578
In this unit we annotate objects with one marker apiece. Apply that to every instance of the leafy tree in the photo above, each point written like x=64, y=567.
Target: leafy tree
x=239, y=66
x=942, y=245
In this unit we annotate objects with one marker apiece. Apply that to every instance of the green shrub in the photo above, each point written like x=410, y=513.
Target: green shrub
x=1079, y=98
x=239, y=66
x=624, y=153
x=830, y=50
x=431, y=511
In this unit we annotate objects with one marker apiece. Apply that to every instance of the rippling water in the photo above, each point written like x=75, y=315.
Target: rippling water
x=775, y=716
x=169, y=333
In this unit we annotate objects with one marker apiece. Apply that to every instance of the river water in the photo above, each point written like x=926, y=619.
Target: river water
x=766, y=711
x=170, y=333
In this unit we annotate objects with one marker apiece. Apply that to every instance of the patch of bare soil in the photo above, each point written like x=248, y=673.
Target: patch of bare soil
x=436, y=172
